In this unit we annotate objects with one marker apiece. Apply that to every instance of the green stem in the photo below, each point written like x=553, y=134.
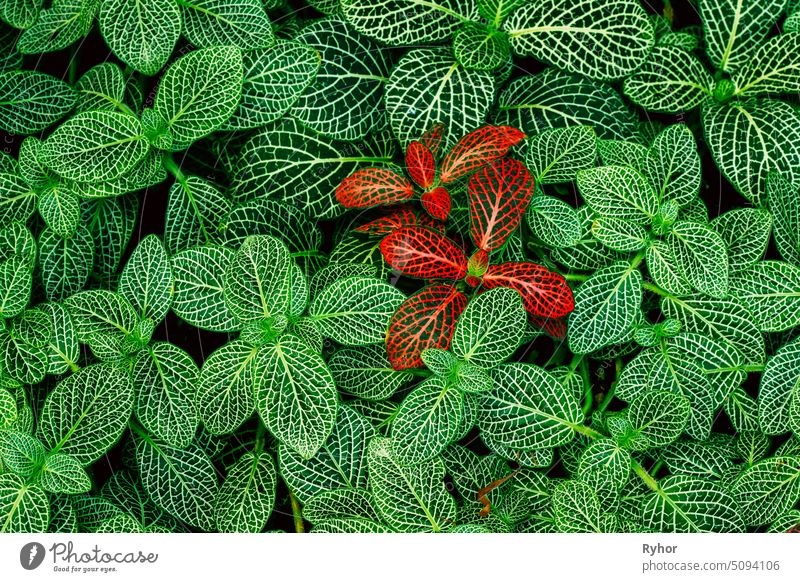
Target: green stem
x=645, y=476
x=575, y=277
x=587, y=386
x=656, y=289
x=610, y=394
x=299, y=527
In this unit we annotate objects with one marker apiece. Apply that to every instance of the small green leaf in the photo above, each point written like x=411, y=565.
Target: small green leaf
x=62, y=473
x=31, y=101
x=244, y=501
x=771, y=290
x=556, y=155
x=146, y=281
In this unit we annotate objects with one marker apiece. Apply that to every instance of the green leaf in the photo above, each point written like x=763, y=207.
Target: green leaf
x=295, y=395
x=85, y=414
x=618, y=192
x=725, y=320
x=784, y=205
x=771, y=290
x=225, y=387
x=213, y=23
x=700, y=254
x=528, y=408
x=57, y=27
x=672, y=80
x=343, y=102
x=553, y=221
x=732, y=31
x=165, y=379
x=199, y=92
x=750, y=138
x=183, y=482
x=340, y=463
x=199, y=297
x=554, y=99
x=608, y=459
x=576, y=508
x=17, y=200
x=340, y=503
x=685, y=504
x=21, y=453
x=141, y=34
x=95, y=146
x=8, y=409
x=490, y=329
x=355, y=310
x=428, y=86
x=606, y=306
x=100, y=312
x=245, y=500
x=15, y=286
x=410, y=499
x=62, y=473
x=195, y=209
x=31, y=101
x=745, y=232
x=274, y=79
x=60, y=210
x=480, y=47
x=620, y=235
x=659, y=416
x=101, y=88
x=110, y=222
x=767, y=489
x=146, y=281
x=427, y=421
x=406, y=22
x=673, y=165
x=773, y=68
x=66, y=263
x=20, y=13
x=575, y=37
x=554, y=156
x=366, y=372
x=23, y=508
x=257, y=280
x=779, y=387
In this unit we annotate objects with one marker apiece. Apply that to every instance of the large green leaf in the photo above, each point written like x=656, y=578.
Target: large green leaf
x=606, y=306
x=784, y=204
x=60, y=210
x=701, y=255
x=576, y=508
x=199, y=92
x=183, y=482
x=673, y=165
x=17, y=200
x=15, y=286
x=244, y=501
x=85, y=414
x=408, y=22
x=554, y=99
x=355, y=310
x=23, y=508
x=685, y=504
x=95, y=146
x=66, y=263
x=241, y=23
x=31, y=101
x=274, y=79
x=779, y=387
x=343, y=102
x=767, y=489
x=199, y=297
x=732, y=31
x=147, y=281
x=601, y=42
x=290, y=162
x=427, y=87
x=63, y=473
x=195, y=210
x=553, y=221
x=490, y=329
x=745, y=232
x=141, y=33
x=774, y=68
x=58, y=26
x=165, y=379
x=659, y=416
x=750, y=138
x=410, y=499
x=555, y=155
x=295, y=395
x=20, y=13
x=528, y=408
x=672, y=80
x=100, y=312
x=771, y=290
x=366, y=372
x=427, y=421
x=340, y=463
x=225, y=387
x=618, y=192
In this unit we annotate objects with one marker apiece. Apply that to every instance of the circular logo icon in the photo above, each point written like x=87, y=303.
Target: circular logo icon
x=31, y=555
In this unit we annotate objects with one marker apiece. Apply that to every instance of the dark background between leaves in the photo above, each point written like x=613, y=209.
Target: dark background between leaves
x=717, y=193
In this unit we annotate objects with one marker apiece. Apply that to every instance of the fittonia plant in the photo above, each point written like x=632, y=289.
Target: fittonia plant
x=347, y=266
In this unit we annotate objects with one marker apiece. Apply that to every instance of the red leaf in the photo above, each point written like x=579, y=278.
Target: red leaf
x=438, y=203
x=373, y=187
x=478, y=148
x=544, y=293
x=424, y=320
x=397, y=217
x=555, y=328
x=423, y=253
x=432, y=139
x=420, y=164
x=499, y=194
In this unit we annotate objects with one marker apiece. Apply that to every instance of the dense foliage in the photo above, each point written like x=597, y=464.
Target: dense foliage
x=390, y=280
